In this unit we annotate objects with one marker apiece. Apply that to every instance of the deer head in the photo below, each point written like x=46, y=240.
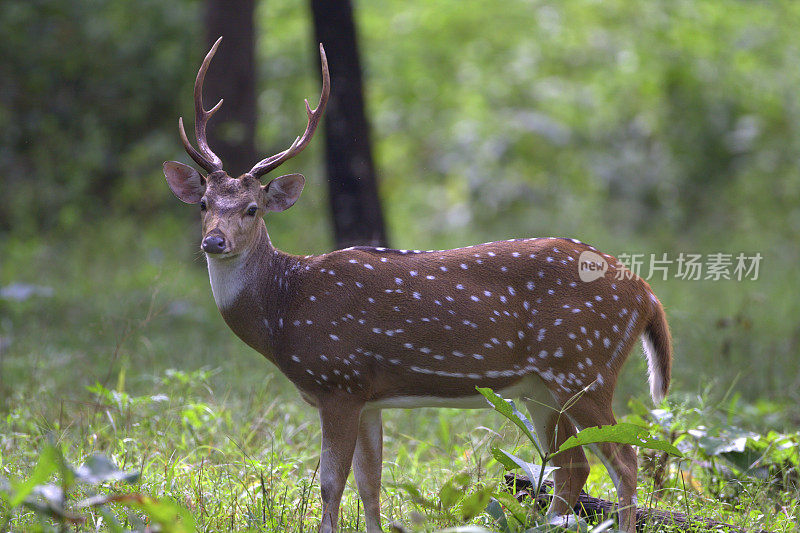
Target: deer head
x=232, y=208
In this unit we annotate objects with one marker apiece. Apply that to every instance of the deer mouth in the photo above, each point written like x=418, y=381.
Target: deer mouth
x=224, y=254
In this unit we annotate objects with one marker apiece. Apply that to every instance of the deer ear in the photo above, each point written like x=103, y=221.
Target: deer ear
x=282, y=192
x=186, y=183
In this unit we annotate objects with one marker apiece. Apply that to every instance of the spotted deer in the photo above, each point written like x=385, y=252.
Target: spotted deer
x=363, y=329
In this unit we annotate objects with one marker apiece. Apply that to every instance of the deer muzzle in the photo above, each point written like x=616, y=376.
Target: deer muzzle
x=214, y=243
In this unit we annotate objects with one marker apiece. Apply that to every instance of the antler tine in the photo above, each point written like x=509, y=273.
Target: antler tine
x=194, y=154
x=314, y=117
x=206, y=158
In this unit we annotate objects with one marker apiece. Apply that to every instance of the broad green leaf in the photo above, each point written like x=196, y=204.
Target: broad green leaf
x=495, y=510
x=510, y=411
x=453, y=490
x=503, y=458
x=723, y=441
x=172, y=518
x=111, y=523
x=49, y=492
x=98, y=468
x=50, y=502
x=623, y=433
x=750, y=462
x=532, y=470
x=514, y=507
x=53, y=510
x=48, y=464
x=475, y=503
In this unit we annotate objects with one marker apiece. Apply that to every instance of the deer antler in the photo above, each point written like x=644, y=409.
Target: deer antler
x=314, y=116
x=207, y=159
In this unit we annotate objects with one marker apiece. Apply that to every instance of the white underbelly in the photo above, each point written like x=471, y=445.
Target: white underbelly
x=530, y=386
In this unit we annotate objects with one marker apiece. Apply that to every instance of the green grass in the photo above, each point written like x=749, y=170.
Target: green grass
x=130, y=358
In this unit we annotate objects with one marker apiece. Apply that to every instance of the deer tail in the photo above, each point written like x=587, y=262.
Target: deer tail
x=657, y=343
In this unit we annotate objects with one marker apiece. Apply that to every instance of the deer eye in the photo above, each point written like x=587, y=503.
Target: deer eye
x=203, y=205
x=251, y=211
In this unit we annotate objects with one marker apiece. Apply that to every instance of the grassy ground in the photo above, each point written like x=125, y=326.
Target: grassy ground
x=129, y=357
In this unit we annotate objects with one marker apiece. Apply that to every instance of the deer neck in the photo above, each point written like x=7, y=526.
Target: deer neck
x=249, y=291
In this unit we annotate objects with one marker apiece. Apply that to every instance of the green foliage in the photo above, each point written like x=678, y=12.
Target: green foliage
x=622, y=433
x=51, y=501
x=711, y=457
x=88, y=97
x=252, y=465
x=664, y=126
x=45, y=467
x=536, y=473
x=510, y=411
x=459, y=499
x=505, y=501
x=565, y=108
x=728, y=462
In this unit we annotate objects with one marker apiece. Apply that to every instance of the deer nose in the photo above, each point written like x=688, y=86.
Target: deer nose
x=214, y=244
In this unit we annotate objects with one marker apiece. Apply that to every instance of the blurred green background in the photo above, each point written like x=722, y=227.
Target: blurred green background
x=639, y=127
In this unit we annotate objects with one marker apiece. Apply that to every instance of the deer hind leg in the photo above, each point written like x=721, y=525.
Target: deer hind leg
x=340, y=421
x=619, y=459
x=367, y=463
x=553, y=428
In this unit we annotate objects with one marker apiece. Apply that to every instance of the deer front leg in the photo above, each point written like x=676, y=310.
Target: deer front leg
x=339, y=420
x=367, y=463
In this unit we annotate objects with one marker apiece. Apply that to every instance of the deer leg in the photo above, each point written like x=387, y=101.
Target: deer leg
x=573, y=468
x=553, y=428
x=367, y=463
x=339, y=432
x=619, y=459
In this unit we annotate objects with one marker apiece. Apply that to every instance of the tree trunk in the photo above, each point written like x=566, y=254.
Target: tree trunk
x=232, y=77
x=353, y=191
